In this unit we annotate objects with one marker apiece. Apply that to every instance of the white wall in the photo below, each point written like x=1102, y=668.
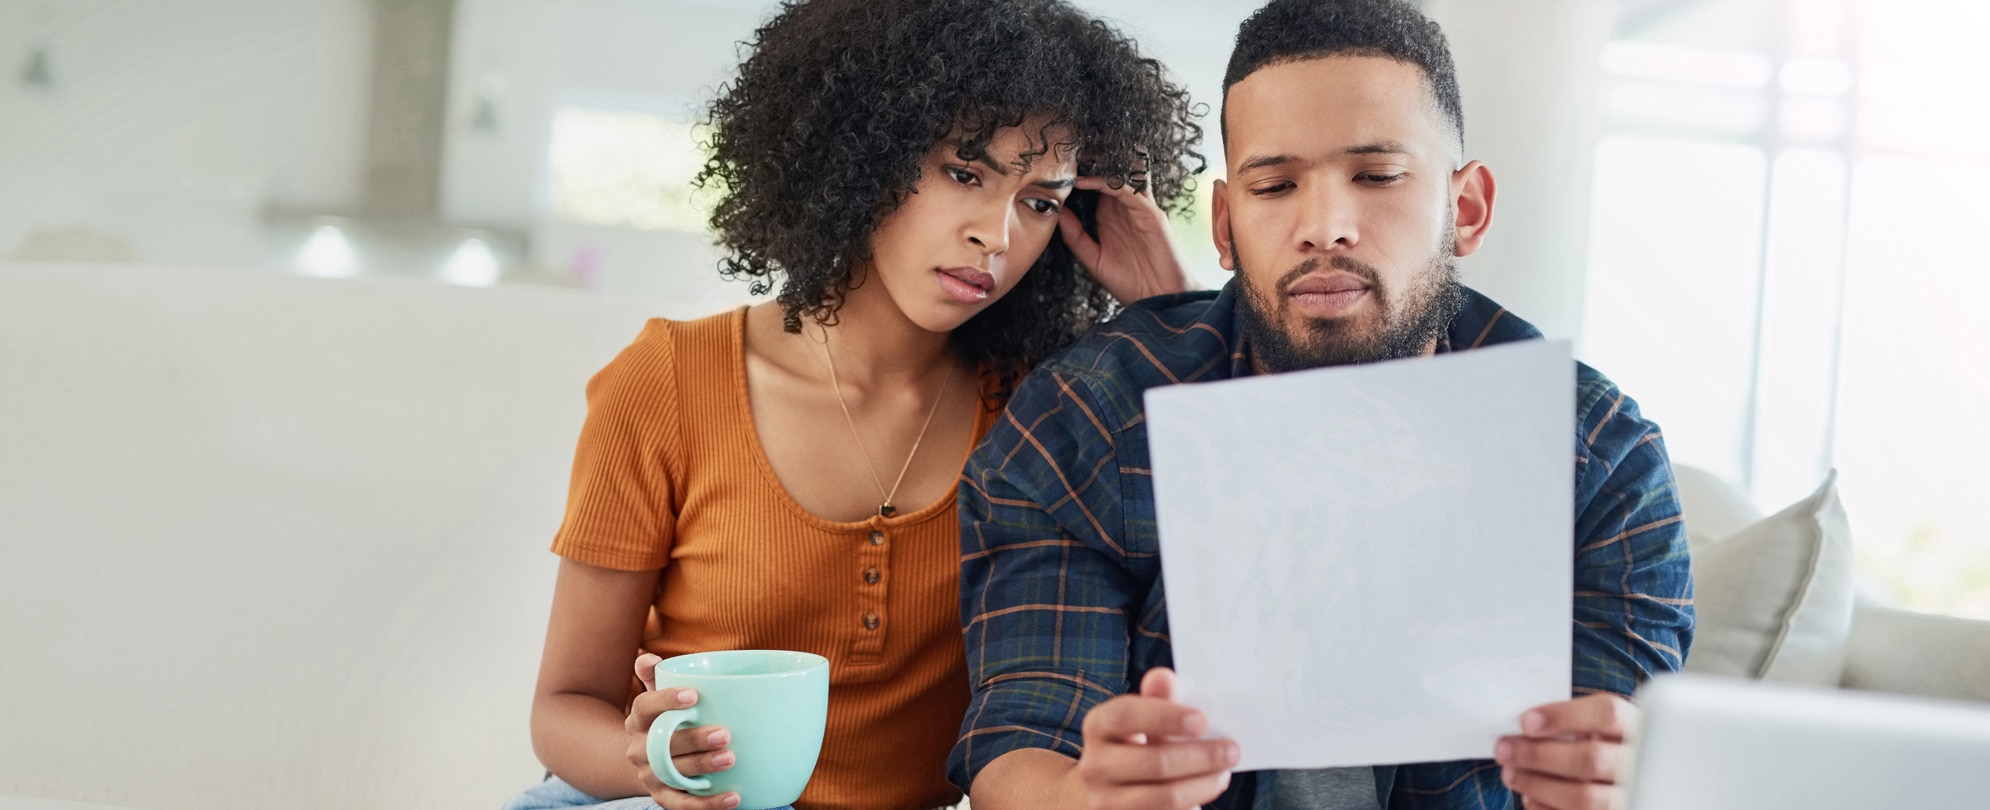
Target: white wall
x=172, y=125
x=1530, y=72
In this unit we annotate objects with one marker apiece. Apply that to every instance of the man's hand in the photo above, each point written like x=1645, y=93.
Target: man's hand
x=1144, y=751
x=1570, y=753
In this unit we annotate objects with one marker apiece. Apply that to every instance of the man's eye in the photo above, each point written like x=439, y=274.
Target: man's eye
x=1381, y=179
x=961, y=176
x=1042, y=206
x=1271, y=189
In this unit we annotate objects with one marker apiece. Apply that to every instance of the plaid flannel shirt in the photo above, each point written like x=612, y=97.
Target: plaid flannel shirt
x=1061, y=601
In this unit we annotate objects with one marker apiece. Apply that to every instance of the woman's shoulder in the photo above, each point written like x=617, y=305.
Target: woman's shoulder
x=665, y=351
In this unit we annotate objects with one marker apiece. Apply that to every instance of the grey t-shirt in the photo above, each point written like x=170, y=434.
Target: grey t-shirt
x=1325, y=789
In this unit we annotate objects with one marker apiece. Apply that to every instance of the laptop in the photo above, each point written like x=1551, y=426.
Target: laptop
x=1727, y=744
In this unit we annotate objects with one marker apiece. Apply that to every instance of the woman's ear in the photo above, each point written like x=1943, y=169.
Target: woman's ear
x=1472, y=191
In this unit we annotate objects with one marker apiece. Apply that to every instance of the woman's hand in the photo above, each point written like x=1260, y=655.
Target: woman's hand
x=1135, y=255
x=695, y=751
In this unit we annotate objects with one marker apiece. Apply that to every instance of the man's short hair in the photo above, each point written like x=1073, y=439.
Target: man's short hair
x=1296, y=30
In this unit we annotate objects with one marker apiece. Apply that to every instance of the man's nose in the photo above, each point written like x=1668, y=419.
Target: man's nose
x=1327, y=217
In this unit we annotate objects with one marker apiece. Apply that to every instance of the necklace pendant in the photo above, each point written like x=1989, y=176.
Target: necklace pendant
x=887, y=510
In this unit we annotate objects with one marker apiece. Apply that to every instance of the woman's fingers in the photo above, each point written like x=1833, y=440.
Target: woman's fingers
x=704, y=762
x=699, y=740
x=1082, y=244
x=646, y=669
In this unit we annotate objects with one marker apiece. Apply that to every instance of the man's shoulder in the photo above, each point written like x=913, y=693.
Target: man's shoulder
x=1158, y=341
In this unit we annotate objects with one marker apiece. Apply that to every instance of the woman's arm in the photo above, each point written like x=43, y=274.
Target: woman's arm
x=579, y=729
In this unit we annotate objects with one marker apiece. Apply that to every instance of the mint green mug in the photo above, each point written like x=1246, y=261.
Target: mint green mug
x=774, y=702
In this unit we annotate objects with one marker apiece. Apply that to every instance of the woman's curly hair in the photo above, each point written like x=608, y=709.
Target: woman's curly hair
x=822, y=134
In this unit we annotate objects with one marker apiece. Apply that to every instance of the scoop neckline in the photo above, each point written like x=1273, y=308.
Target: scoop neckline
x=745, y=397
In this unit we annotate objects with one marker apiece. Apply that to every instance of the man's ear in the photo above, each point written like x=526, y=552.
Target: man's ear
x=1472, y=192
x=1219, y=226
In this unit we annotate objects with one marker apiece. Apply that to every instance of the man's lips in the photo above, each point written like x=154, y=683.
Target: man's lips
x=1329, y=295
x=967, y=285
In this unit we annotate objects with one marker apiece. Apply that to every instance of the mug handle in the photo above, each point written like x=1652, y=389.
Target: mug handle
x=665, y=725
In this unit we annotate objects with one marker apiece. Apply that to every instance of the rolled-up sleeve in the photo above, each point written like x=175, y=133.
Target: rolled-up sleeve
x=1047, y=599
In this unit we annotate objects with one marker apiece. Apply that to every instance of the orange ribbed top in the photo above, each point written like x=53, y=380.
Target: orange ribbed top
x=670, y=474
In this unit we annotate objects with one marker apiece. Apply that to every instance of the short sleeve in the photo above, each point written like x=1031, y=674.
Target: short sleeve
x=621, y=506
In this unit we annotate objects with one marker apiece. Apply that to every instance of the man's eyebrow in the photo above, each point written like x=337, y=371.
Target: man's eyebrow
x=1265, y=161
x=1378, y=148
x=1055, y=183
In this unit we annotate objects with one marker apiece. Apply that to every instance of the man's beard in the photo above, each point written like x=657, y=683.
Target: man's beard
x=1434, y=299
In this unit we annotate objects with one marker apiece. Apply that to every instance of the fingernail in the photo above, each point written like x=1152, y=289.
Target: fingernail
x=1502, y=751
x=1532, y=722
x=1231, y=753
x=730, y=801
x=717, y=737
x=723, y=759
x=1506, y=776
x=686, y=697
x=1223, y=780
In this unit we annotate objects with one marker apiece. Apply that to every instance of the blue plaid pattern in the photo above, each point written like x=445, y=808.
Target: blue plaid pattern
x=1061, y=601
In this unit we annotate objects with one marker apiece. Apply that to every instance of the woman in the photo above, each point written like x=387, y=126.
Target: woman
x=782, y=476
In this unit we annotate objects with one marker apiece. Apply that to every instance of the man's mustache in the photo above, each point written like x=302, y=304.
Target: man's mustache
x=1343, y=263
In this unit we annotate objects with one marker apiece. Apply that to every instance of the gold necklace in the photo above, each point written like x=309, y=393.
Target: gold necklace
x=885, y=509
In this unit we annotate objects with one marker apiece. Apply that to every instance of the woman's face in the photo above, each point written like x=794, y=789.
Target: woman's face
x=971, y=229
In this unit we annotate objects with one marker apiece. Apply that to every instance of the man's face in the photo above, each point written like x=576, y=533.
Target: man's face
x=1343, y=212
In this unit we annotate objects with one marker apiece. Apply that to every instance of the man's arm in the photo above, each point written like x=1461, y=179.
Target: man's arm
x=1633, y=619
x=1048, y=599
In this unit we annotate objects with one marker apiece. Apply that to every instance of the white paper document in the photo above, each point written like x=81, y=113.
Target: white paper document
x=1370, y=564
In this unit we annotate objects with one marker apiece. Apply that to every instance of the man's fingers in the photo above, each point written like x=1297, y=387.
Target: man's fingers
x=1543, y=792
x=1117, y=720
x=1579, y=760
x=1159, y=762
x=1185, y=794
x=1159, y=682
x=1602, y=715
x=702, y=739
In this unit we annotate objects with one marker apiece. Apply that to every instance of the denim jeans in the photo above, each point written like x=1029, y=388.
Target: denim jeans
x=556, y=794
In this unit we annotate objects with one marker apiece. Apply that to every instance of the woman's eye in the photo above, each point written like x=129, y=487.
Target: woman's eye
x=1043, y=206
x=961, y=176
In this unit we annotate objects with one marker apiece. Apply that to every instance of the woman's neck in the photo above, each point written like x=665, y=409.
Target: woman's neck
x=876, y=345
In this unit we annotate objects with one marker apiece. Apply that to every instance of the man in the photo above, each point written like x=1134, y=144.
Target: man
x=1346, y=204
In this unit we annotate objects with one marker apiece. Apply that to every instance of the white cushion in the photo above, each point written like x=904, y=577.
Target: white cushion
x=1775, y=599
x=1713, y=508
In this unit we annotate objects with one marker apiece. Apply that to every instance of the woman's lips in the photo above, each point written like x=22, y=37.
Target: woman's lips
x=965, y=284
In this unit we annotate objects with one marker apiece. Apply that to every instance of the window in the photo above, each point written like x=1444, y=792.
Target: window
x=627, y=169
x=1782, y=266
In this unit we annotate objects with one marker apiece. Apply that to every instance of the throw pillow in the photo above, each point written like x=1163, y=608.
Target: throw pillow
x=1774, y=600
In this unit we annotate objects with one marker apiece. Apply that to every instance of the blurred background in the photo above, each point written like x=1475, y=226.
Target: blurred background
x=1758, y=216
